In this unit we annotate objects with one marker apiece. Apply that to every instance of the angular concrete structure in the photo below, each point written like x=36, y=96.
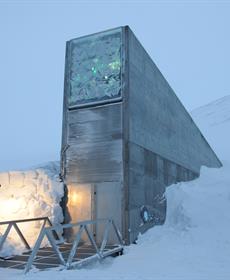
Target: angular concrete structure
x=126, y=135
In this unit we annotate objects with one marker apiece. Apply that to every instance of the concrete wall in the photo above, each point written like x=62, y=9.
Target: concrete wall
x=164, y=144
x=158, y=120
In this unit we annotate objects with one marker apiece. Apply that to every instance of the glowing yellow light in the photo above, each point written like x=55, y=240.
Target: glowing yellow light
x=79, y=202
x=10, y=206
x=74, y=198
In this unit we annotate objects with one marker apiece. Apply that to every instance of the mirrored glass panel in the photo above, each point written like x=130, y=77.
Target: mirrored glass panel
x=95, y=68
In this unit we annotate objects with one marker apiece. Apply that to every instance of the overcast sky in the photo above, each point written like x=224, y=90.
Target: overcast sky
x=188, y=40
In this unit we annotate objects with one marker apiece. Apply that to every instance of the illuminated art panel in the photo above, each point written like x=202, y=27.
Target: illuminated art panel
x=95, y=68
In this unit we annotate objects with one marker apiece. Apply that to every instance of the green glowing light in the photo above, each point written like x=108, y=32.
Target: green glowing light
x=115, y=64
x=94, y=70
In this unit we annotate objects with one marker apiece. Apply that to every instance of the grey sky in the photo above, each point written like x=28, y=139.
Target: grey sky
x=188, y=40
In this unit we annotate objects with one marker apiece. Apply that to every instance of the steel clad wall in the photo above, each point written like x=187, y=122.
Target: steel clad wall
x=95, y=139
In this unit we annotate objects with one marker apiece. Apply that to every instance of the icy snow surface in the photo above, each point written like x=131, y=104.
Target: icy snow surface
x=28, y=194
x=194, y=243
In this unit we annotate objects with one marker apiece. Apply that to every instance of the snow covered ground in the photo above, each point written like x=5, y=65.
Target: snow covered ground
x=194, y=243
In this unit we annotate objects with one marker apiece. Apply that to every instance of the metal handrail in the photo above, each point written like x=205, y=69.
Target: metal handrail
x=85, y=222
x=14, y=223
x=25, y=220
x=83, y=227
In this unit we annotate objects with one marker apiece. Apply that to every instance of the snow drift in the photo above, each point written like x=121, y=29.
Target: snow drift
x=194, y=242
x=29, y=194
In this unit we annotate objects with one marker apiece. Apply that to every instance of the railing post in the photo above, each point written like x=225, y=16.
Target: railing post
x=74, y=247
x=4, y=236
x=92, y=240
x=21, y=236
x=117, y=233
x=105, y=237
x=53, y=244
x=34, y=251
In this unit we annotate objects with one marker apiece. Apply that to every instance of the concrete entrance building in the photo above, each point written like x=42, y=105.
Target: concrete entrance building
x=126, y=135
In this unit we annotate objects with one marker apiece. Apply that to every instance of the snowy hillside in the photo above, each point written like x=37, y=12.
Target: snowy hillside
x=213, y=120
x=194, y=243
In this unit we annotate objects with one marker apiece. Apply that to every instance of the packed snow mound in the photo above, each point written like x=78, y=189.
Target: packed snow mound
x=30, y=194
x=194, y=242
x=213, y=120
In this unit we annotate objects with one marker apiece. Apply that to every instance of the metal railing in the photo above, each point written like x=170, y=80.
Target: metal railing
x=101, y=251
x=14, y=224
